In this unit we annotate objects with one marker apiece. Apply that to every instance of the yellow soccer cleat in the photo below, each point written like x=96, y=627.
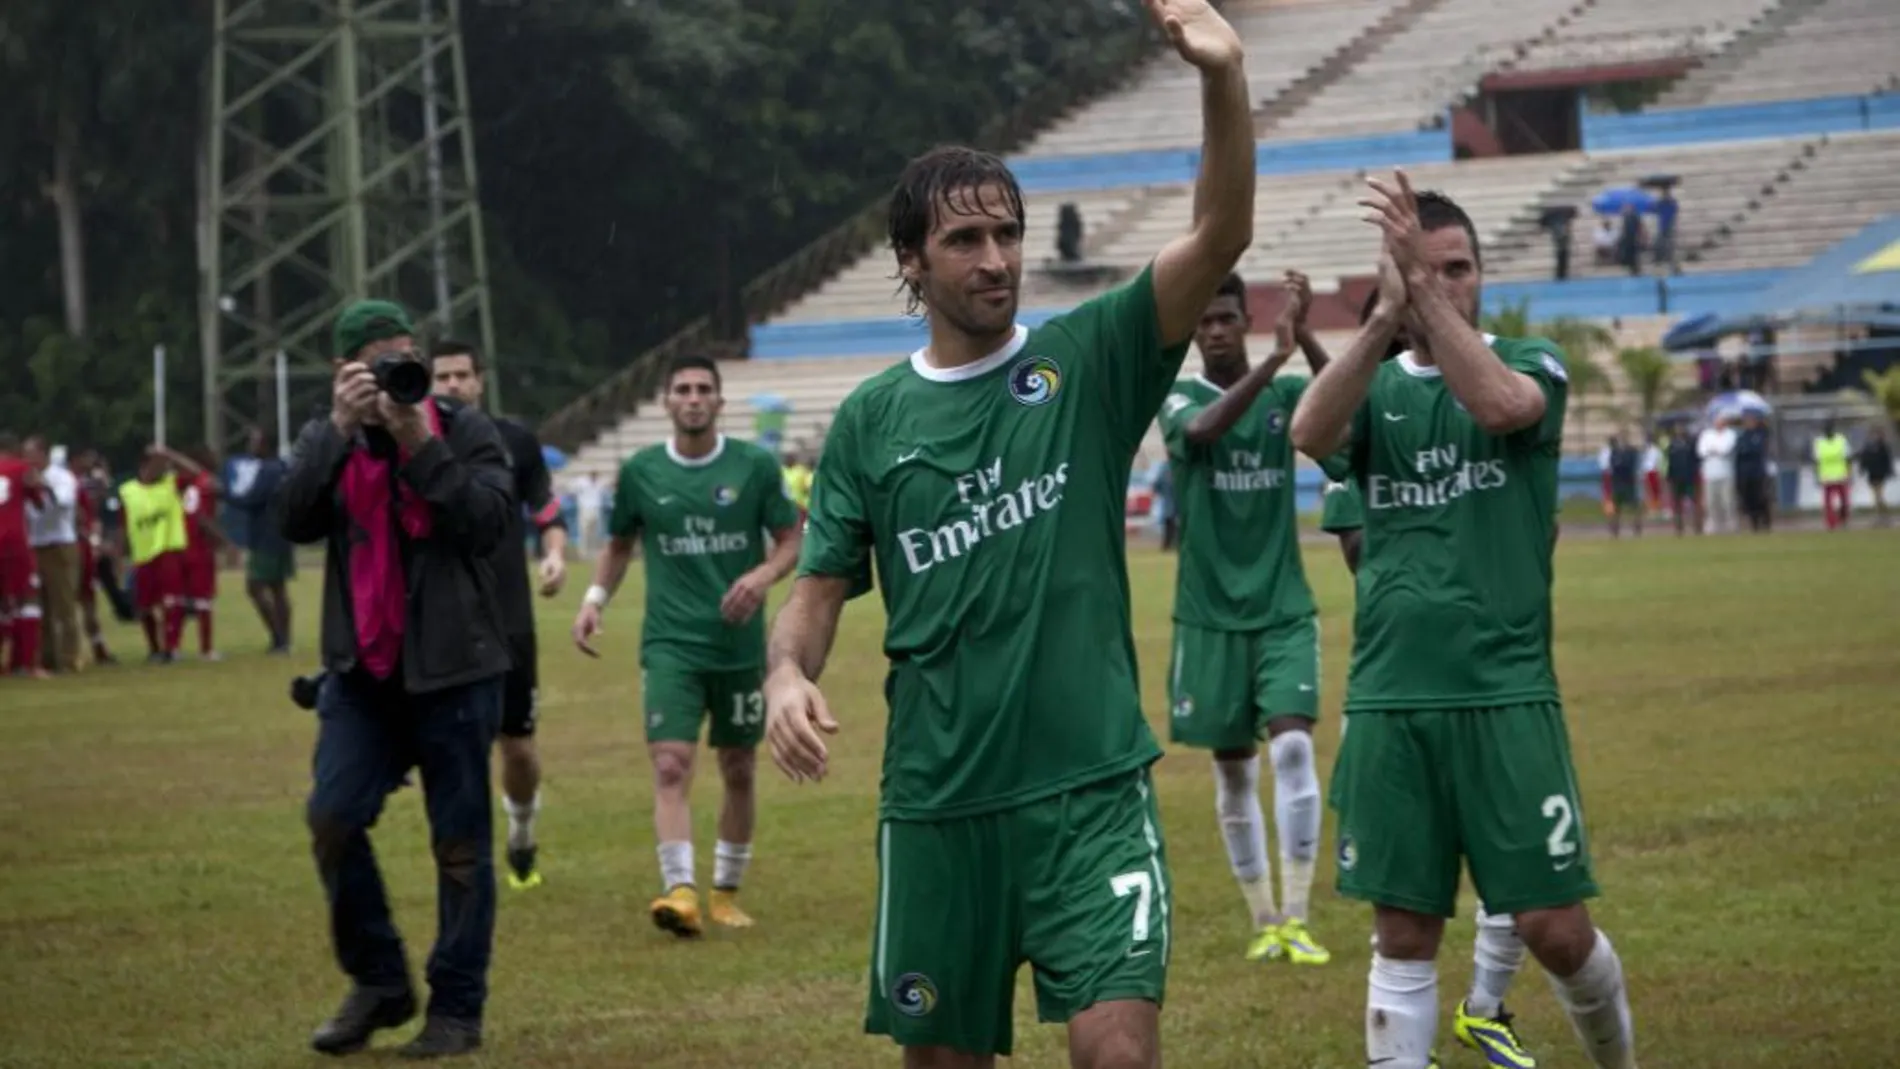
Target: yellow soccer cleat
x=1266, y=945
x=1301, y=948
x=1493, y=1037
x=723, y=906
x=677, y=911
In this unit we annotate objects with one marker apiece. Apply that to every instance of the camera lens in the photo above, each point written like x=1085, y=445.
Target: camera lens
x=405, y=381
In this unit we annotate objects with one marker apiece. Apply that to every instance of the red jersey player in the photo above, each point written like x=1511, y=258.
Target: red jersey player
x=198, y=490
x=19, y=573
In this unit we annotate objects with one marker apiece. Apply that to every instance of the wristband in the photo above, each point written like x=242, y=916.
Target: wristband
x=596, y=596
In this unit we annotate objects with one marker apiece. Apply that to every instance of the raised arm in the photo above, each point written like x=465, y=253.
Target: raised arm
x=1500, y=400
x=1189, y=268
x=1322, y=421
x=1299, y=292
x=1218, y=417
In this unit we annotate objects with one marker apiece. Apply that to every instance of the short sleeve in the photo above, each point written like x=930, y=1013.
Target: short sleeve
x=1544, y=363
x=626, y=514
x=1341, y=509
x=779, y=511
x=1122, y=330
x=837, y=527
x=1177, y=411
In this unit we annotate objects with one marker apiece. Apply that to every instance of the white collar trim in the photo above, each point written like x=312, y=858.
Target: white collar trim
x=931, y=373
x=673, y=454
x=1409, y=364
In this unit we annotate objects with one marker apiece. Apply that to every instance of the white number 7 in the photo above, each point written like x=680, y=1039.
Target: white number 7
x=1139, y=884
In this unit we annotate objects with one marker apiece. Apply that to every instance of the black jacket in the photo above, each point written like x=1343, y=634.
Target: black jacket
x=453, y=632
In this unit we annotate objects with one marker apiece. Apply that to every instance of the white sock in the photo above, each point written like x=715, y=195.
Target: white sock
x=729, y=862
x=521, y=821
x=1244, y=827
x=676, y=864
x=1401, y=1013
x=1497, y=955
x=1599, y=1007
x=1296, y=817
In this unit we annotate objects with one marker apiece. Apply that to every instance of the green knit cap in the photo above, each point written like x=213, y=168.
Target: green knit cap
x=367, y=321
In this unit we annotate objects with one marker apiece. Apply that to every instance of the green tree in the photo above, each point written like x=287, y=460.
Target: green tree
x=1649, y=372
x=1885, y=388
x=1580, y=340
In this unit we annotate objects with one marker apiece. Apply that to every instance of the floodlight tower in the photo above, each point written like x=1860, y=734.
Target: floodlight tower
x=340, y=164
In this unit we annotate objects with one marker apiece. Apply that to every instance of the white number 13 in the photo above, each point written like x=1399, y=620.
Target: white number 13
x=1136, y=883
x=748, y=710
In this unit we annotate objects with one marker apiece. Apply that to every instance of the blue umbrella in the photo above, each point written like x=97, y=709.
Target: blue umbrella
x=1737, y=403
x=1693, y=332
x=1613, y=201
x=556, y=460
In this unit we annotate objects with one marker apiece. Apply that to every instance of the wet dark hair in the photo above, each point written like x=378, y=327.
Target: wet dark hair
x=451, y=347
x=1436, y=211
x=1233, y=286
x=692, y=362
x=948, y=175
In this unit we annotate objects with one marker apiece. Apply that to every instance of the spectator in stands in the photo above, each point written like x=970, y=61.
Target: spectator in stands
x=1603, y=239
x=1685, y=474
x=1069, y=233
x=1834, y=470
x=1753, y=473
x=1664, y=249
x=1624, y=463
x=1629, y=240
x=1876, y=462
x=1716, y=449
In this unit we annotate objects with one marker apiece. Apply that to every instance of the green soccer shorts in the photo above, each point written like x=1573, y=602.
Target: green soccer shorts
x=1418, y=792
x=1076, y=884
x=270, y=567
x=1223, y=686
x=676, y=698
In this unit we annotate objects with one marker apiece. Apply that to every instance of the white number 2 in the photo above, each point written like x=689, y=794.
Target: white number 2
x=1557, y=808
x=1139, y=884
x=748, y=710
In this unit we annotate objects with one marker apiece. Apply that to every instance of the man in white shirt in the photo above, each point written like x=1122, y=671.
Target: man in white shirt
x=588, y=497
x=1716, y=447
x=52, y=530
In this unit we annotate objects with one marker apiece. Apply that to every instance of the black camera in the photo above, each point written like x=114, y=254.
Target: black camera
x=303, y=690
x=406, y=381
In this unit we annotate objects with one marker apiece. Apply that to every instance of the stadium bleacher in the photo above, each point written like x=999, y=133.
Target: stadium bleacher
x=1835, y=48
x=1635, y=31
x=1762, y=187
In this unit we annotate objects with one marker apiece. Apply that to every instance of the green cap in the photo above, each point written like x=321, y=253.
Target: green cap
x=367, y=321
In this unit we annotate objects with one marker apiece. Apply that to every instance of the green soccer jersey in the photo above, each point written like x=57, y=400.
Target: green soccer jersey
x=1454, y=578
x=1341, y=509
x=991, y=499
x=703, y=523
x=1240, y=566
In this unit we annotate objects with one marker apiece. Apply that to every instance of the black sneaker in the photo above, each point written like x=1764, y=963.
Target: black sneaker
x=521, y=871
x=364, y=1011
x=443, y=1037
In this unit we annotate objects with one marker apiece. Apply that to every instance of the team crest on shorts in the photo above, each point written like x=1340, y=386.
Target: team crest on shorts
x=914, y=995
x=1348, y=853
x=723, y=495
x=1035, y=381
x=1184, y=708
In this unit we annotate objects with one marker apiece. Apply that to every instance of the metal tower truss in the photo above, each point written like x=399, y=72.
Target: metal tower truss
x=340, y=164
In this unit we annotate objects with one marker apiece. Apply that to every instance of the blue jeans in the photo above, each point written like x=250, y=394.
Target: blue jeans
x=369, y=735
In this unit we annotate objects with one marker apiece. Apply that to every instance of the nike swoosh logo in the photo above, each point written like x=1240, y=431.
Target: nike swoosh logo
x=1395, y=417
x=912, y=455
x=662, y=500
x=1306, y=686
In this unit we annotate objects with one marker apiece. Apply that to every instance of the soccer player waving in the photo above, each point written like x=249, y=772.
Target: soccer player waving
x=1458, y=748
x=984, y=478
x=1246, y=635
x=702, y=504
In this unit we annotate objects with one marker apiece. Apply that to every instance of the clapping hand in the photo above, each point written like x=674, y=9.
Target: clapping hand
x=1198, y=33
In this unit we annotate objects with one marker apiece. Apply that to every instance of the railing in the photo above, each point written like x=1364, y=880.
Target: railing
x=620, y=394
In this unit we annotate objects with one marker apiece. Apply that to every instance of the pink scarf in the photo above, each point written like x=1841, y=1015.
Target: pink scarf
x=379, y=595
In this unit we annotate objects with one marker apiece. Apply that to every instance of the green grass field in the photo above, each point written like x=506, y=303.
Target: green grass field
x=1732, y=703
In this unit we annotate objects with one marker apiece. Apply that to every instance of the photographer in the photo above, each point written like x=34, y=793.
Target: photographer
x=410, y=495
